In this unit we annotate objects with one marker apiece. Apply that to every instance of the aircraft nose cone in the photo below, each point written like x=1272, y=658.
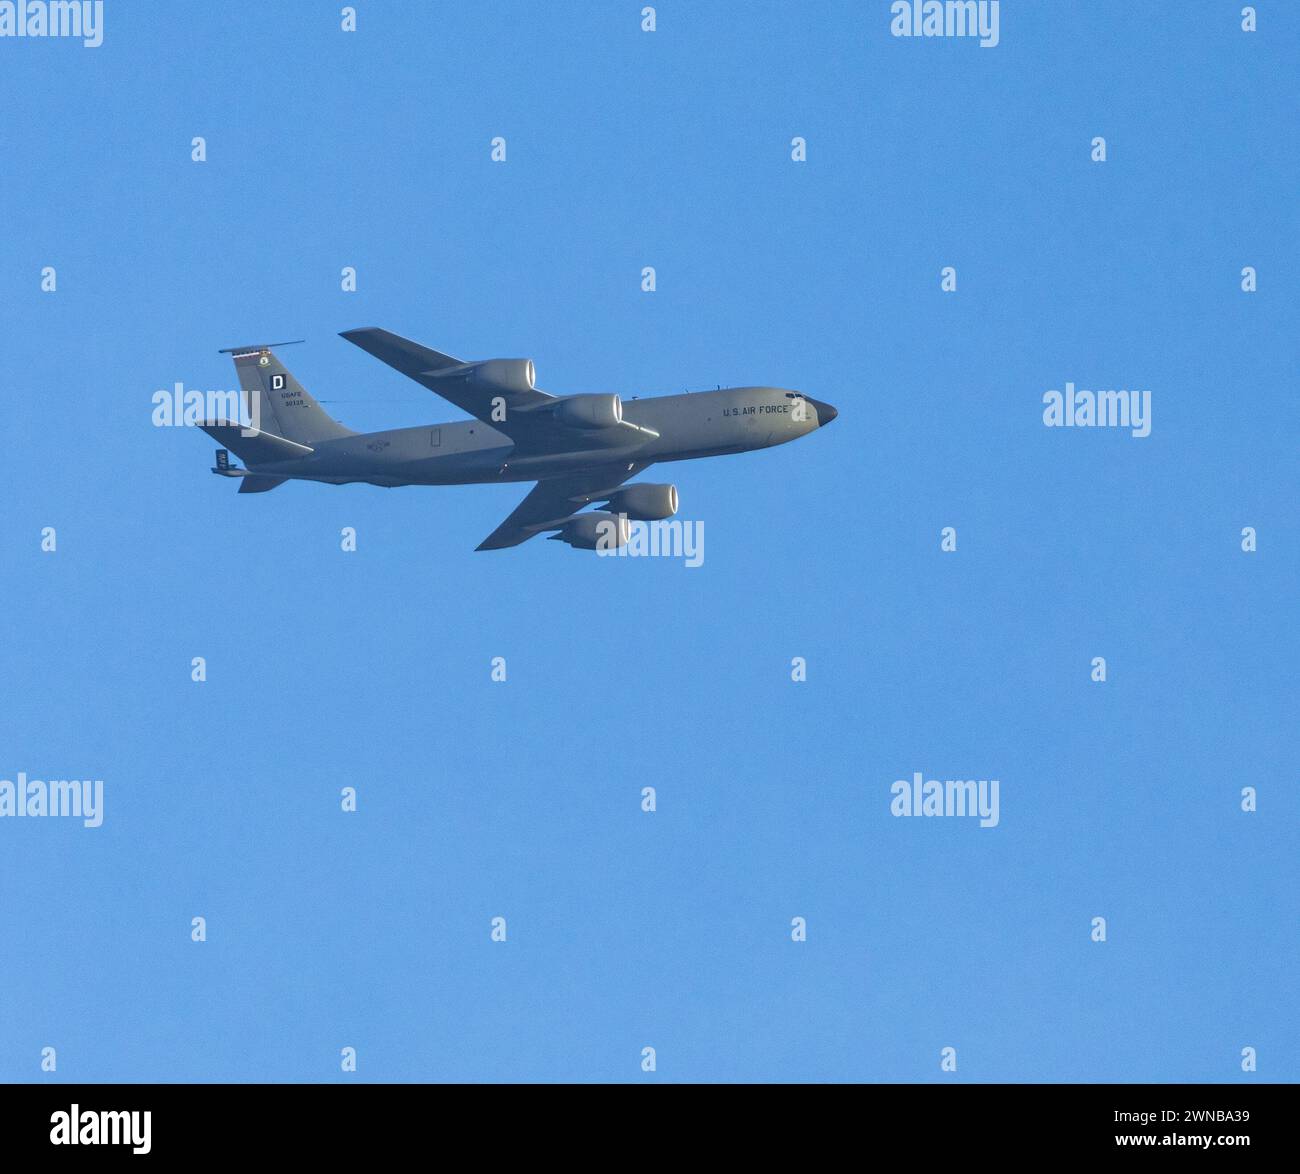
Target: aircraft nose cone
x=825, y=412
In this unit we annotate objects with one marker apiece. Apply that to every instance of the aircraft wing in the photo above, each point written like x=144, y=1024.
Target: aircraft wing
x=484, y=387
x=430, y=369
x=557, y=498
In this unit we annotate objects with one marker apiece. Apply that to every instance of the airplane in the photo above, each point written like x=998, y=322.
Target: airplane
x=580, y=449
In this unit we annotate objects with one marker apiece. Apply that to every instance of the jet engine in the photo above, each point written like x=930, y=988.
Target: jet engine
x=589, y=412
x=597, y=530
x=515, y=375
x=644, y=503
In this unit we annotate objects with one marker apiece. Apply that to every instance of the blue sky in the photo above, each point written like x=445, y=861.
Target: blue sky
x=521, y=799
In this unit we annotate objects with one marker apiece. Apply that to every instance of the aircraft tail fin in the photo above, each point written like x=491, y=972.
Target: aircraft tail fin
x=277, y=402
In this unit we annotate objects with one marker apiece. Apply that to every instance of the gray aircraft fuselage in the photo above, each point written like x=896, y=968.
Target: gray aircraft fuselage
x=470, y=452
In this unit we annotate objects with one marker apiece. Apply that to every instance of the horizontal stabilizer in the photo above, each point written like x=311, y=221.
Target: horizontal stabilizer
x=259, y=483
x=253, y=446
x=257, y=347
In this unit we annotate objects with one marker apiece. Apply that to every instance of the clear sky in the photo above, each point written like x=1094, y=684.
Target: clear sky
x=479, y=799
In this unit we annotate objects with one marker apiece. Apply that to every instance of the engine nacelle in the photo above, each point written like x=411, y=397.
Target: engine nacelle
x=597, y=530
x=645, y=503
x=516, y=375
x=590, y=412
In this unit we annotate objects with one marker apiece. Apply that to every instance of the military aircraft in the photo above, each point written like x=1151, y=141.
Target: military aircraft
x=580, y=449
